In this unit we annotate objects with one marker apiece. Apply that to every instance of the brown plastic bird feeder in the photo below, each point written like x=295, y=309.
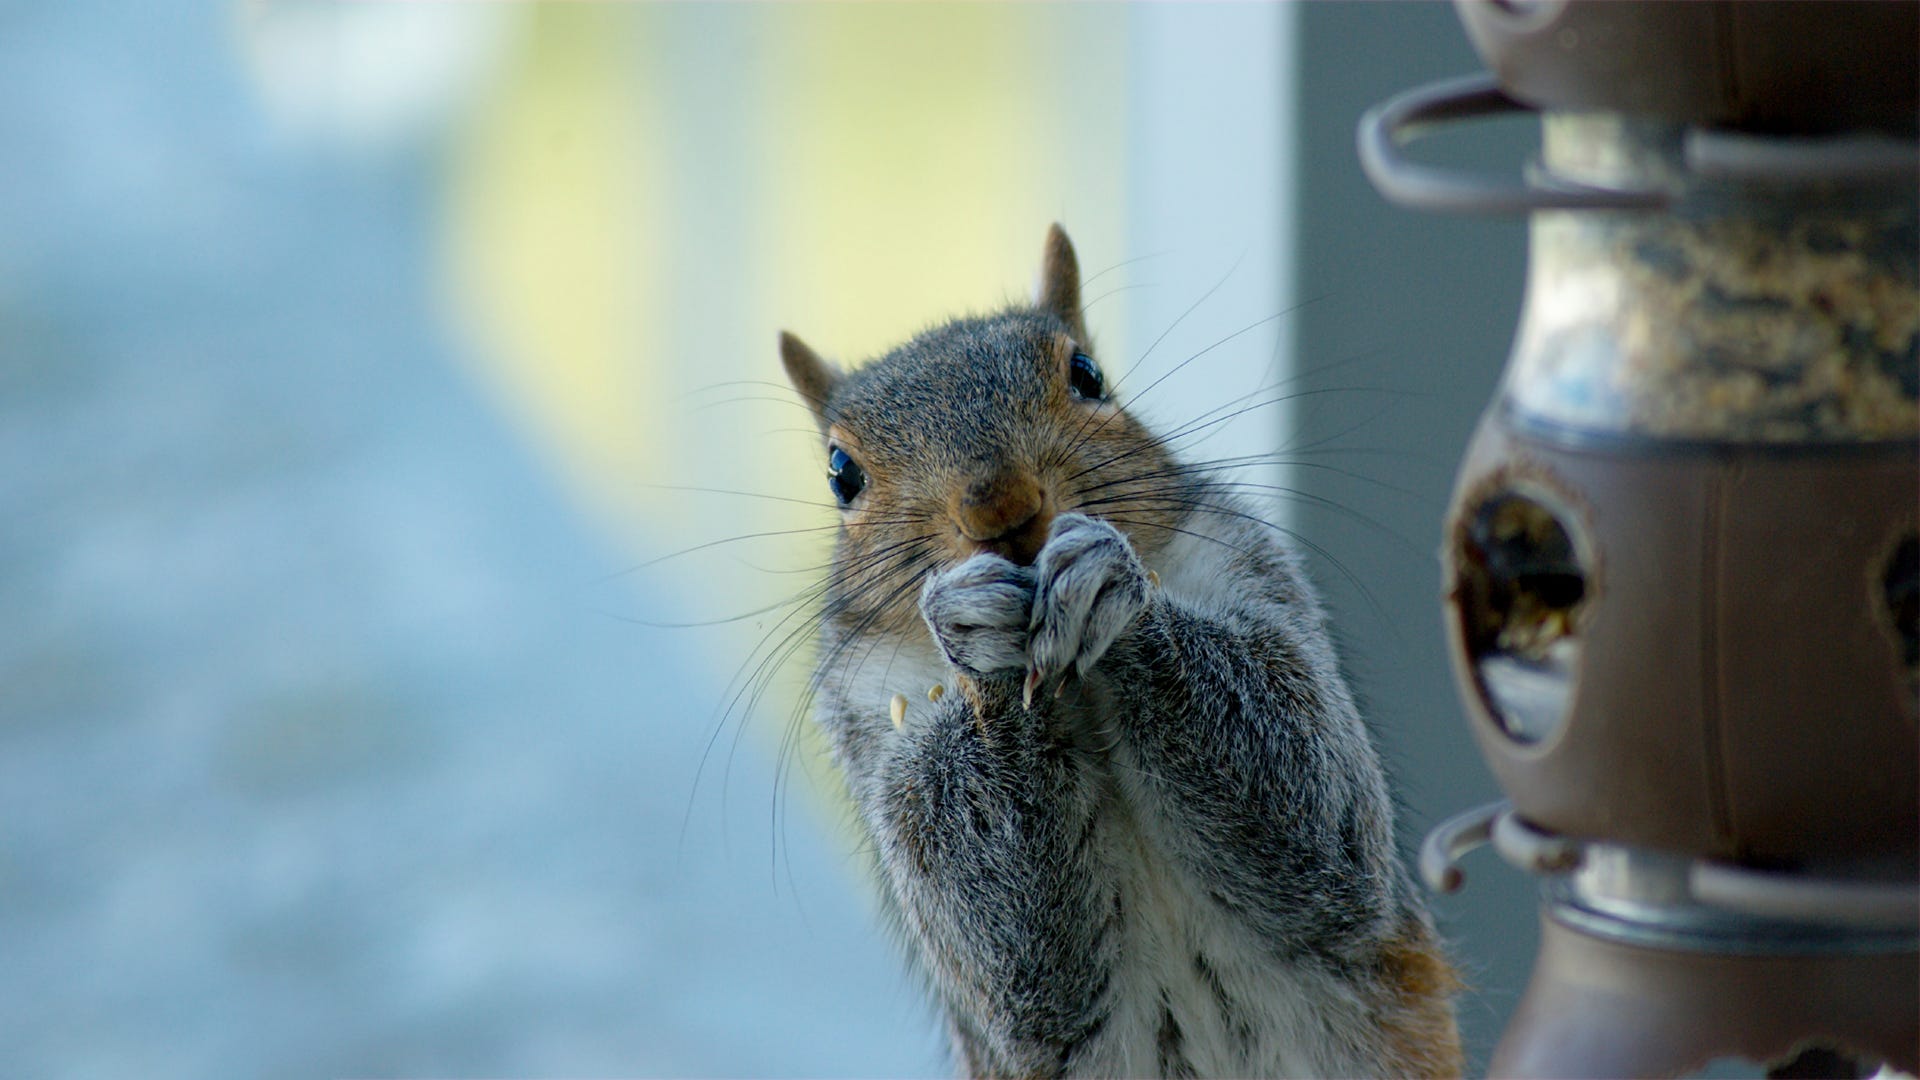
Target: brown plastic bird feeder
x=1681, y=564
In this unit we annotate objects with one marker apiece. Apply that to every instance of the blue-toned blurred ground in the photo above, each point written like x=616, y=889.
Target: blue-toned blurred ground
x=317, y=753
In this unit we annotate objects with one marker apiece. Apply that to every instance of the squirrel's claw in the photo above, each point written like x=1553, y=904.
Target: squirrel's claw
x=1036, y=680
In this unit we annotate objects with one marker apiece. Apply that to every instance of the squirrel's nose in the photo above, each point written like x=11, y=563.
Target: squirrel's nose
x=1005, y=513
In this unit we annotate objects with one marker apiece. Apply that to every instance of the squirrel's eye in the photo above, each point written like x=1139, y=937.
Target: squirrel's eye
x=844, y=475
x=1085, y=379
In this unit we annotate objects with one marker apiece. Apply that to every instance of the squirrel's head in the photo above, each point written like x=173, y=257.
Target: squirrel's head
x=973, y=436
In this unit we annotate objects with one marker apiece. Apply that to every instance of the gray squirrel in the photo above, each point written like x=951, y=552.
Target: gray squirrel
x=1147, y=833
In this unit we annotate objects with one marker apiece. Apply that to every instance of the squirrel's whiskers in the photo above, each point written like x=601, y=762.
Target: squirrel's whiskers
x=1186, y=865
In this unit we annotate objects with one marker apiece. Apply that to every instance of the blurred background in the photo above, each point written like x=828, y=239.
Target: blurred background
x=399, y=504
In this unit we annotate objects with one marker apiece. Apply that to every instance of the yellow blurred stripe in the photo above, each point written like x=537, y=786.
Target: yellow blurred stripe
x=552, y=194
x=922, y=151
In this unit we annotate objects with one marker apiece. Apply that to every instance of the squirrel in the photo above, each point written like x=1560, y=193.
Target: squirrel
x=1148, y=833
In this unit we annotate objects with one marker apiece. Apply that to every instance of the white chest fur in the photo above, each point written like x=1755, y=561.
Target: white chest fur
x=1195, y=994
x=1194, y=566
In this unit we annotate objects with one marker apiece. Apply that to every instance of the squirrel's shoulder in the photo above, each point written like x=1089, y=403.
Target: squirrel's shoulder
x=1226, y=554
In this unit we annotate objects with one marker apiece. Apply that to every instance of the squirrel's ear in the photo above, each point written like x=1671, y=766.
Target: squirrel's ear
x=1060, y=282
x=811, y=376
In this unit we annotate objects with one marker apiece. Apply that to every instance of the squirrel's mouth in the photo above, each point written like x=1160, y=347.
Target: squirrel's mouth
x=1020, y=550
x=1015, y=533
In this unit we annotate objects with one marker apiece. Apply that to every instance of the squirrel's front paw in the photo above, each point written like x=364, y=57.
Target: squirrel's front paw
x=979, y=613
x=1089, y=589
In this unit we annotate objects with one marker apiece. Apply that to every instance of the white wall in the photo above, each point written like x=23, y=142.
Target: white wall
x=1211, y=114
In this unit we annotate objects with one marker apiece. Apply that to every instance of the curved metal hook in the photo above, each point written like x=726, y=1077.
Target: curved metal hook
x=1448, y=842
x=1400, y=119
x=1534, y=850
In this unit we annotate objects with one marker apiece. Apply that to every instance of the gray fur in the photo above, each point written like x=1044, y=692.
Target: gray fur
x=1182, y=863
x=1088, y=589
x=978, y=613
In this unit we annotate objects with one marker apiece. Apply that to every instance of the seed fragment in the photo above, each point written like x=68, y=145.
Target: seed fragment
x=899, y=708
